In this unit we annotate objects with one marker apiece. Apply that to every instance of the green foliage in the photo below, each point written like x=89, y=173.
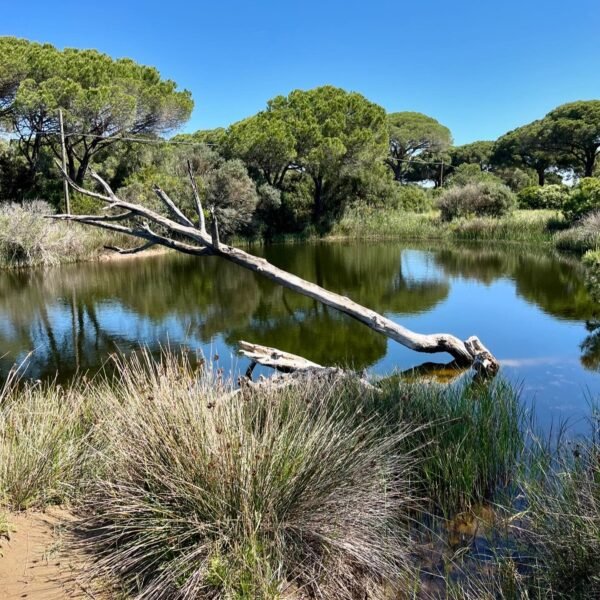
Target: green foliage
x=231, y=191
x=470, y=173
x=573, y=129
x=325, y=134
x=99, y=96
x=414, y=135
x=223, y=184
x=516, y=178
x=583, y=199
x=476, y=153
x=547, y=196
x=471, y=449
x=483, y=198
x=524, y=147
x=411, y=198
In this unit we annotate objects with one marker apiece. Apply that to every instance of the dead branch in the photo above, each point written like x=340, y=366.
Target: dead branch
x=201, y=221
x=131, y=250
x=199, y=242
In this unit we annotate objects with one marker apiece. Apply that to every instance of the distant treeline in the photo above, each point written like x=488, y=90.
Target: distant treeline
x=295, y=165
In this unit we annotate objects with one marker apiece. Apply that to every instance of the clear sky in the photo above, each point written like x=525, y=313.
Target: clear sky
x=479, y=67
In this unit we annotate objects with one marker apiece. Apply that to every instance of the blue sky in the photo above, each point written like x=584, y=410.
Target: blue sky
x=481, y=68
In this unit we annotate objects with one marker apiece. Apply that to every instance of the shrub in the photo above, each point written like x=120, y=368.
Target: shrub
x=547, y=196
x=411, y=198
x=516, y=179
x=583, y=236
x=212, y=495
x=583, y=199
x=476, y=199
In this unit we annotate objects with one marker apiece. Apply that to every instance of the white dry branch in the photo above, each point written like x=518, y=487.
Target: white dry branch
x=179, y=233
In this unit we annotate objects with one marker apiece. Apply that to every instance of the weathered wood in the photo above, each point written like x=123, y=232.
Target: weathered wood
x=274, y=358
x=465, y=353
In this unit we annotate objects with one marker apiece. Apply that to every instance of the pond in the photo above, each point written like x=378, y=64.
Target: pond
x=530, y=307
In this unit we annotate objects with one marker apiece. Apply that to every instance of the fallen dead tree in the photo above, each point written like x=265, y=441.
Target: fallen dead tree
x=180, y=233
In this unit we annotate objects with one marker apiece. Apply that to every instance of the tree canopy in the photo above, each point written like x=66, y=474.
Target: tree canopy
x=479, y=153
x=414, y=135
x=573, y=130
x=101, y=99
x=326, y=134
x=523, y=147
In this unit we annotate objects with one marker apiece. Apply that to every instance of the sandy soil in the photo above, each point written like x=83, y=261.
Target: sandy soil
x=35, y=562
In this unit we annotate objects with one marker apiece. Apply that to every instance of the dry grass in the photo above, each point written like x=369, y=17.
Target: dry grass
x=584, y=236
x=209, y=495
x=44, y=454
x=28, y=238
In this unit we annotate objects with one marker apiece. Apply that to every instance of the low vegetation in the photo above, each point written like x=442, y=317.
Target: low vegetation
x=29, y=239
x=183, y=485
x=479, y=199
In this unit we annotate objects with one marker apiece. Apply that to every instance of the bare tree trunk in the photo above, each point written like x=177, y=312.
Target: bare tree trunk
x=469, y=352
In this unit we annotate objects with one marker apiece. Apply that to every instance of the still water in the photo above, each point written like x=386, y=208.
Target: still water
x=530, y=307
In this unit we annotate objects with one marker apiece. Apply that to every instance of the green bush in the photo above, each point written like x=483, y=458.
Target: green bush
x=547, y=196
x=481, y=199
x=583, y=199
x=411, y=198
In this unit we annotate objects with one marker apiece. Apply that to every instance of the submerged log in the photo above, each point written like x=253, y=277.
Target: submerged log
x=199, y=242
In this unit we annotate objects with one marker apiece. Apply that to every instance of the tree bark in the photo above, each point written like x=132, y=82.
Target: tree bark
x=541, y=173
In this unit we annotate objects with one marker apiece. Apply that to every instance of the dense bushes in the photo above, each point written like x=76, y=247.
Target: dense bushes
x=583, y=199
x=484, y=198
x=547, y=196
x=411, y=198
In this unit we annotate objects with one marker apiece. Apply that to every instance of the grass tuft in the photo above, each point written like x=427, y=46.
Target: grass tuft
x=212, y=495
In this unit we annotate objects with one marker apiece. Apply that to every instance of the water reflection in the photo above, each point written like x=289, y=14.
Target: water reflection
x=531, y=308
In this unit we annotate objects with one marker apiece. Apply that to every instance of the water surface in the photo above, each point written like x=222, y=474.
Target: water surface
x=530, y=307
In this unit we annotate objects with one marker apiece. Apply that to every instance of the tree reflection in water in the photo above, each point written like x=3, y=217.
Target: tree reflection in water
x=74, y=316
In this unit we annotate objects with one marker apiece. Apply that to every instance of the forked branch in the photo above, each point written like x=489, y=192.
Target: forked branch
x=180, y=234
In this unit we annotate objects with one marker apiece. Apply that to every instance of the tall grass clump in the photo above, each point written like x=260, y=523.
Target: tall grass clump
x=583, y=236
x=44, y=452
x=470, y=438
x=28, y=238
x=249, y=495
x=563, y=520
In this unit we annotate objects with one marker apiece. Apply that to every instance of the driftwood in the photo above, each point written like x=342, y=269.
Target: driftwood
x=179, y=233
x=297, y=371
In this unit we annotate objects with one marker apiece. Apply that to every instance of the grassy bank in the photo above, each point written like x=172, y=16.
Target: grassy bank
x=28, y=238
x=182, y=486
x=531, y=226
